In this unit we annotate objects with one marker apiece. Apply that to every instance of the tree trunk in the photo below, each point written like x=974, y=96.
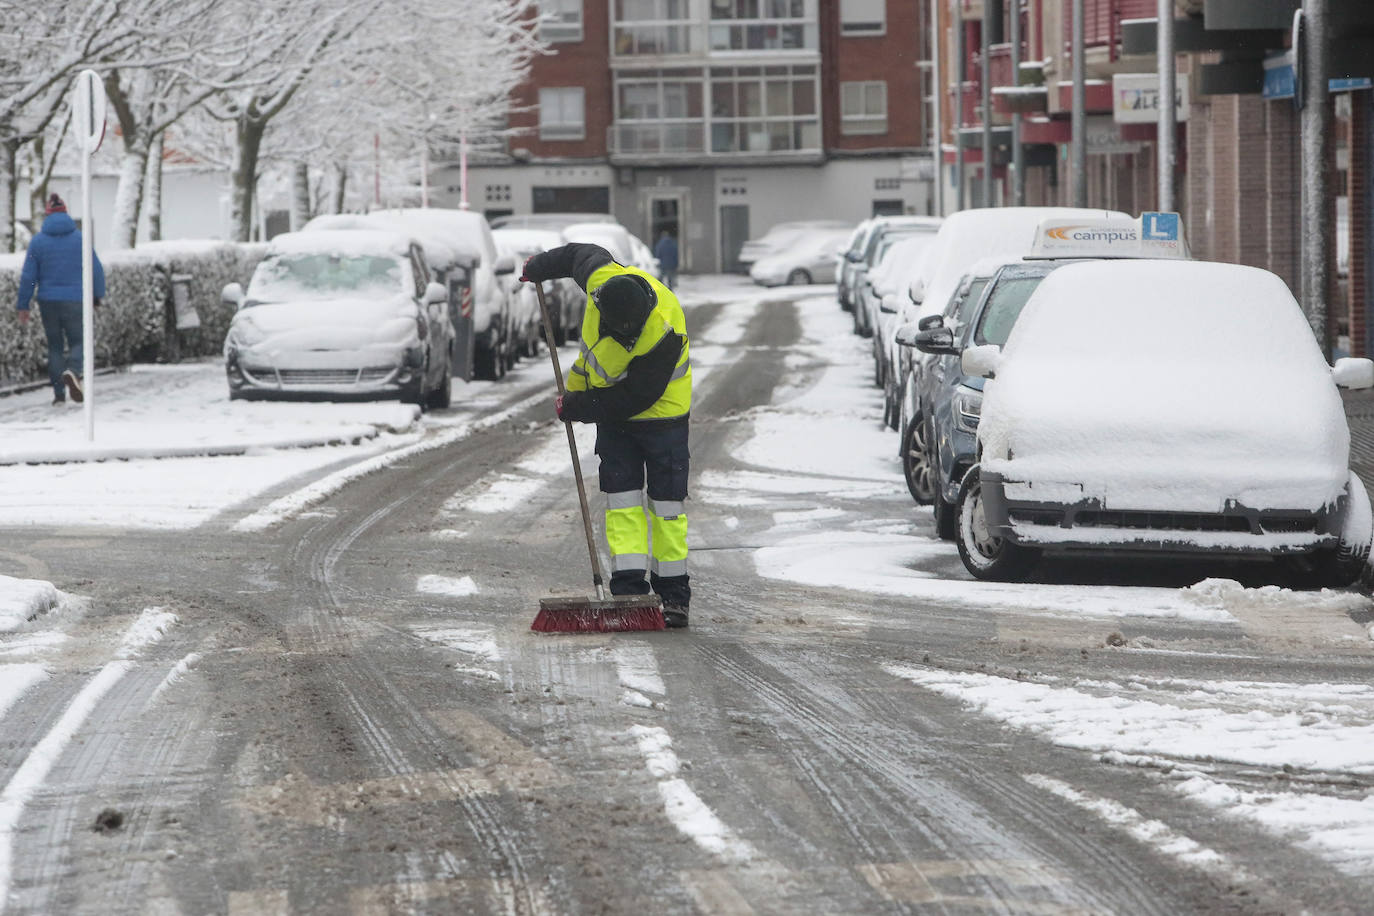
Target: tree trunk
x=153, y=189
x=129, y=196
x=340, y=186
x=38, y=184
x=300, y=196
x=9, y=189
x=248, y=135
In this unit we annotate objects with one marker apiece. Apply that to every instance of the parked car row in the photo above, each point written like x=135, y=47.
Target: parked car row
x=1070, y=381
x=371, y=305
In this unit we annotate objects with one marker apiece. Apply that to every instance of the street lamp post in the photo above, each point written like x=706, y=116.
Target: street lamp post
x=1018, y=155
x=1312, y=69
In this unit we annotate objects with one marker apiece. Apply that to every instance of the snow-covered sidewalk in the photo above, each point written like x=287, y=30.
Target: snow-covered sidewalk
x=181, y=410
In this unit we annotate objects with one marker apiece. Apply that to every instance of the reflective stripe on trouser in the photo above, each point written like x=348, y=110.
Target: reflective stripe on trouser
x=627, y=531
x=669, y=523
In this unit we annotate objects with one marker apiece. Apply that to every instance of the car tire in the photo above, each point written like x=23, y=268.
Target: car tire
x=560, y=334
x=799, y=277
x=490, y=363
x=916, y=466
x=1344, y=564
x=984, y=556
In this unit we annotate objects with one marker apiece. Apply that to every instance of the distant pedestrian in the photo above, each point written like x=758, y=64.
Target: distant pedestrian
x=53, y=266
x=665, y=249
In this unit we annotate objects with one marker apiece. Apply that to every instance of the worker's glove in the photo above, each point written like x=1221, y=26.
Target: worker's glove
x=525, y=272
x=558, y=406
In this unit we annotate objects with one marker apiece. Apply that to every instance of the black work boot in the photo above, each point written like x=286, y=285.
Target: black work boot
x=675, y=616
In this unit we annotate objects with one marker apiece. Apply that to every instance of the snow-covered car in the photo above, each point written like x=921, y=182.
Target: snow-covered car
x=453, y=239
x=887, y=284
x=782, y=235
x=526, y=327
x=565, y=298
x=844, y=264
x=965, y=238
x=1166, y=407
x=809, y=259
x=883, y=234
x=337, y=314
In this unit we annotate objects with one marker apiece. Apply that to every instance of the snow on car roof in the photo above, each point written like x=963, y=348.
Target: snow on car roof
x=529, y=239
x=447, y=235
x=343, y=242
x=970, y=235
x=1168, y=385
x=903, y=259
x=612, y=236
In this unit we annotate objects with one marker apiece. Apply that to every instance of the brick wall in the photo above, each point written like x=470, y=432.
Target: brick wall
x=892, y=57
x=1252, y=181
x=1197, y=184
x=1283, y=190
x=585, y=64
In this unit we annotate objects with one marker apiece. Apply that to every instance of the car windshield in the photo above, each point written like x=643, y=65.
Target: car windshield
x=1004, y=306
x=324, y=276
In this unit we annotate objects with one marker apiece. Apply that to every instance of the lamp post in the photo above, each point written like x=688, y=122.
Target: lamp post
x=1164, y=62
x=1079, y=146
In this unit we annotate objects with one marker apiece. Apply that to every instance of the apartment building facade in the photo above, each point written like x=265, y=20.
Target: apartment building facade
x=1238, y=177
x=713, y=120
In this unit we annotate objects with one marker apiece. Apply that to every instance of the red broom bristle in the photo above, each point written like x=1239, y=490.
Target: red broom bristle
x=598, y=620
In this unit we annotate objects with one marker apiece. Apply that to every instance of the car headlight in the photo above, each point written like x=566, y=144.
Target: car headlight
x=968, y=408
x=244, y=333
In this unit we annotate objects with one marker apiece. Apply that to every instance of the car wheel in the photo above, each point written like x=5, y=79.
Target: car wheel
x=916, y=467
x=986, y=556
x=489, y=363
x=798, y=277
x=560, y=334
x=1344, y=564
x=878, y=375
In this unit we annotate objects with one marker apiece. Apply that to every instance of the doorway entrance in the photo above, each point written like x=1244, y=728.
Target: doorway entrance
x=666, y=215
x=734, y=232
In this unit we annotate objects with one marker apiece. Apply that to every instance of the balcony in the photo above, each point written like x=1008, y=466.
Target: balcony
x=678, y=140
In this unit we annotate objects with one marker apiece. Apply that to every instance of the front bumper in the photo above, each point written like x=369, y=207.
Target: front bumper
x=366, y=372
x=1054, y=522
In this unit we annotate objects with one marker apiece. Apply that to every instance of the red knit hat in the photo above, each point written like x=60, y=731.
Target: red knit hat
x=55, y=205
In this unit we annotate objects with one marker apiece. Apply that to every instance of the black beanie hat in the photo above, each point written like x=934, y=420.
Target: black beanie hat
x=624, y=302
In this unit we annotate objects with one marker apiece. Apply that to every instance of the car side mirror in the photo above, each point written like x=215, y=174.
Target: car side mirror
x=1353, y=372
x=853, y=257
x=504, y=265
x=982, y=361
x=906, y=335
x=886, y=305
x=916, y=292
x=232, y=294
x=436, y=294
x=937, y=341
x=930, y=321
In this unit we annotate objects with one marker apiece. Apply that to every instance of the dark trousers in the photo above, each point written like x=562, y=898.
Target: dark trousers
x=632, y=454
x=63, y=328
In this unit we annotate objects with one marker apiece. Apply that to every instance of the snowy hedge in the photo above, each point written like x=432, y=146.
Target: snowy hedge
x=138, y=322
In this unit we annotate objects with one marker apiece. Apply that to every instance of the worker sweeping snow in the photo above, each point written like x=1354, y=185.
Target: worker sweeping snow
x=633, y=379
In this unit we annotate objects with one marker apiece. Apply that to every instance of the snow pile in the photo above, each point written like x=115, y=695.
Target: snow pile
x=1230, y=596
x=22, y=600
x=1167, y=385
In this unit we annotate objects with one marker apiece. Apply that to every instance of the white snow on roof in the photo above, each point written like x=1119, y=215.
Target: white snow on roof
x=1170, y=385
x=342, y=242
x=969, y=235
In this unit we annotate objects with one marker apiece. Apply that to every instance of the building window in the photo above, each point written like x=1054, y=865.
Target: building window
x=560, y=20
x=561, y=114
x=660, y=111
x=863, y=17
x=763, y=25
x=764, y=109
x=653, y=27
x=863, y=108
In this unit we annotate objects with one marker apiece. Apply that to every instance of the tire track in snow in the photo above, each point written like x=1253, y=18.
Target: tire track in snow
x=28, y=779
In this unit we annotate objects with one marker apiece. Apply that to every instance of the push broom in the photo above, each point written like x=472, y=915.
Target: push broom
x=602, y=614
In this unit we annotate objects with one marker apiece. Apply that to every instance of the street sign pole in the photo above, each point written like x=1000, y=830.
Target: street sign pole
x=1312, y=71
x=89, y=123
x=937, y=94
x=1164, y=62
x=1079, y=144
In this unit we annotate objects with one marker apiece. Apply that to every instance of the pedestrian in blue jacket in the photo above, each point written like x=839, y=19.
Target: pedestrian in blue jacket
x=53, y=265
x=665, y=249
